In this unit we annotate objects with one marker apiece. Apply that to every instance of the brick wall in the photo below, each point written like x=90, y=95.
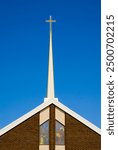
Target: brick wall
x=80, y=137
x=23, y=137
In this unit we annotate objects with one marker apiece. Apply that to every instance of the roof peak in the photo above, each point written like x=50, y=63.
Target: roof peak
x=43, y=106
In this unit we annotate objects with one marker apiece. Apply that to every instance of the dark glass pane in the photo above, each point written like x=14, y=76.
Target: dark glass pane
x=44, y=133
x=59, y=134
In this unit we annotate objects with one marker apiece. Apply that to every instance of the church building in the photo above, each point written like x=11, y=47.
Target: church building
x=51, y=125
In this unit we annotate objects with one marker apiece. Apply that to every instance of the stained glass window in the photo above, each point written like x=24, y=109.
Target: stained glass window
x=60, y=134
x=44, y=133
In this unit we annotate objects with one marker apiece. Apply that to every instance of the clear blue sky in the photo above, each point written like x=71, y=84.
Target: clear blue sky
x=24, y=44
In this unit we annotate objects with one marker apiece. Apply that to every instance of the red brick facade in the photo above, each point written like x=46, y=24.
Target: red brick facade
x=80, y=137
x=25, y=136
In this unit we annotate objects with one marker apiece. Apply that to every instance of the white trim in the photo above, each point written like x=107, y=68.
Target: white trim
x=50, y=99
x=44, y=115
x=41, y=107
x=24, y=117
x=60, y=115
x=43, y=147
x=78, y=117
x=59, y=147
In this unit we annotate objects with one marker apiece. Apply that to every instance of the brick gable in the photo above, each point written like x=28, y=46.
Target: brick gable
x=80, y=137
x=25, y=136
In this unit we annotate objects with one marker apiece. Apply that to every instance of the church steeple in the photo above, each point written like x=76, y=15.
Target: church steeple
x=50, y=85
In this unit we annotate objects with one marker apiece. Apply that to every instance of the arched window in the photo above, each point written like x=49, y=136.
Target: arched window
x=44, y=133
x=60, y=134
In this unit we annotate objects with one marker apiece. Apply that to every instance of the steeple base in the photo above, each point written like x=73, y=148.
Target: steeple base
x=48, y=99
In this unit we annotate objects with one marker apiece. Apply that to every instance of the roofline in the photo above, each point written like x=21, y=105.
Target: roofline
x=42, y=106
x=23, y=118
x=79, y=118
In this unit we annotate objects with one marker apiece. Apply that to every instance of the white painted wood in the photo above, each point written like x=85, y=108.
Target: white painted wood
x=43, y=147
x=44, y=115
x=60, y=116
x=24, y=117
x=60, y=147
x=50, y=99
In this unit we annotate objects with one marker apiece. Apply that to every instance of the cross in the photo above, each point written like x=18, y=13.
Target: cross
x=50, y=21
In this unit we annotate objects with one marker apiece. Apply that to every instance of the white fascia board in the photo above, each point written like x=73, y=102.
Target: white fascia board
x=41, y=107
x=24, y=117
x=78, y=117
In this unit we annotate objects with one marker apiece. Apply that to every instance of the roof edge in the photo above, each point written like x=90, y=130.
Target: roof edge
x=42, y=106
x=78, y=117
x=24, y=117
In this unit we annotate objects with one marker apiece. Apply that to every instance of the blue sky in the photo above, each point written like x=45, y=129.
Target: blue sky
x=24, y=45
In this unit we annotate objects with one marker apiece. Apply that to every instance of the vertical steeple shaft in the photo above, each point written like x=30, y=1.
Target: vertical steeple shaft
x=50, y=86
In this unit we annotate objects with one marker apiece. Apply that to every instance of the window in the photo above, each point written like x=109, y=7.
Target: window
x=60, y=134
x=44, y=133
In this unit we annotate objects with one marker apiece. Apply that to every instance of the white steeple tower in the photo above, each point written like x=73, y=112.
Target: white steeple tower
x=50, y=86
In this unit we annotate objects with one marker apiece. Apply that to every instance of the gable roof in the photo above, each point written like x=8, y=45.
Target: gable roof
x=41, y=107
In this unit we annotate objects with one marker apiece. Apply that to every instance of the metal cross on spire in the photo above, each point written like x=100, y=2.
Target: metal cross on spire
x=50, y=86
x=50, y=21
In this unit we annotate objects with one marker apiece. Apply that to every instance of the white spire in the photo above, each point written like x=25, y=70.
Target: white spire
x=50, y=86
